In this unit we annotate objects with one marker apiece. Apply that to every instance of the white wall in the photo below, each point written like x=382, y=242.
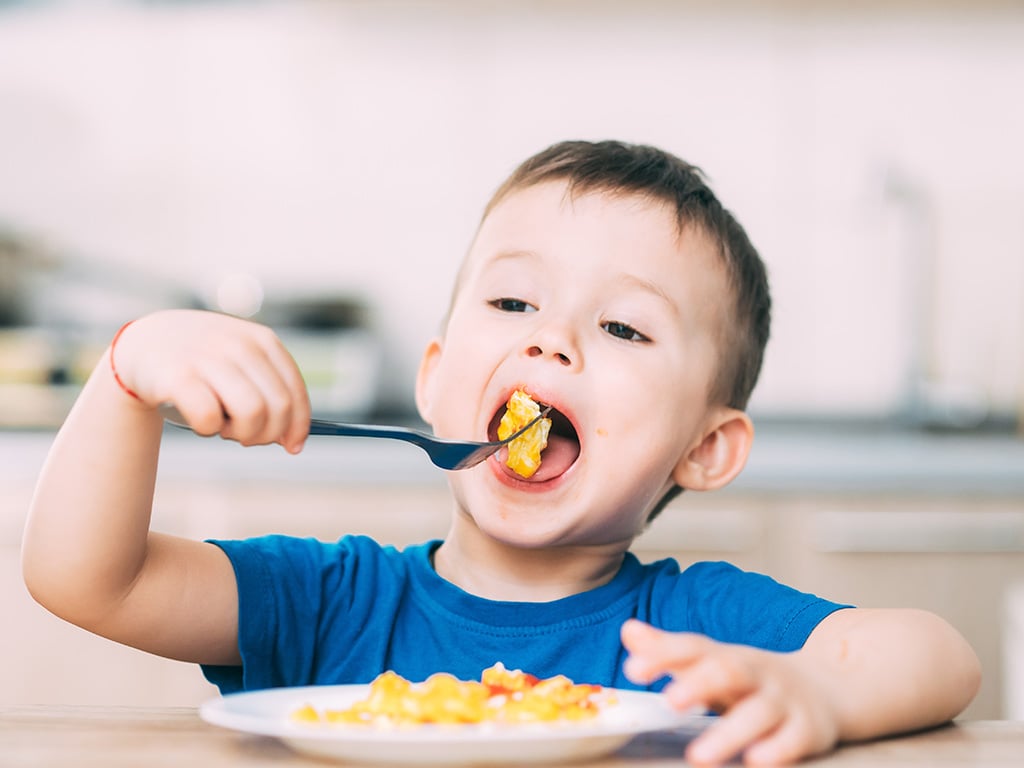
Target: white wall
x=872, y=151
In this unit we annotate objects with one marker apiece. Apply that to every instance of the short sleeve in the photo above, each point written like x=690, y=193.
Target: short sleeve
x=281, y=581
x=731, y=605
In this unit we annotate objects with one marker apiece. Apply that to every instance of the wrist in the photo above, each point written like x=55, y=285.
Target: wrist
x=113, y=364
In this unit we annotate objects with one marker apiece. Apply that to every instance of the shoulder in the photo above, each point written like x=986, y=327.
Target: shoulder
x=667, y=576
x=279, y=545
x=733, y=605
x=710, y=578
x=284, y=558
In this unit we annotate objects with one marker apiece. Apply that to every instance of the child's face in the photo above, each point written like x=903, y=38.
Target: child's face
x=600, y=308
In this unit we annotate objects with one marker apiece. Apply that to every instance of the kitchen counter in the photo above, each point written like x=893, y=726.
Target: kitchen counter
x=101, y=737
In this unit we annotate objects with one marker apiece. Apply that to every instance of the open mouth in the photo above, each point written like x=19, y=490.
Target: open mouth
x=561, y=452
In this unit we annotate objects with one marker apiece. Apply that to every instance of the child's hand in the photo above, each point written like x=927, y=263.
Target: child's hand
x=225, y=375
x=771, y=709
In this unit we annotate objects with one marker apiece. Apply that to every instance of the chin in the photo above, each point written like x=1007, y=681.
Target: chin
x=532, y=526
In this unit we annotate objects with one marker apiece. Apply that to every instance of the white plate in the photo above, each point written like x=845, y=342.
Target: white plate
x=268, y=713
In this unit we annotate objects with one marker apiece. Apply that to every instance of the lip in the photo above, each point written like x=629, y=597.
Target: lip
x=509, y=478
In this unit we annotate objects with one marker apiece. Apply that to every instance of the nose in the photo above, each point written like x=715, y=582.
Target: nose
x=536, y=351
x=556, y=343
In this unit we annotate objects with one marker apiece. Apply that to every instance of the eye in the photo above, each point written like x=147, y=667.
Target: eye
x=512, y=305
x=623, y=331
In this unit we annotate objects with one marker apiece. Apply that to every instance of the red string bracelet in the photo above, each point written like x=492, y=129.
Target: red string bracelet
x=113, y=368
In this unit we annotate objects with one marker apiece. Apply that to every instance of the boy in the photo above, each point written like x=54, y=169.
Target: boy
x=607, y=281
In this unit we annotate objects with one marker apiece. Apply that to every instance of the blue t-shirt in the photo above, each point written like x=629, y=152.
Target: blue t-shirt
x=312, y=612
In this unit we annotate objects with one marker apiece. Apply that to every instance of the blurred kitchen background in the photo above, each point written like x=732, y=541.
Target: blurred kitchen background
x=321, y=166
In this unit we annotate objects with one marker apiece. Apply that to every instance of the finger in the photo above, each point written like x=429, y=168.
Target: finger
x=200, y=407
x=277, y=403
x=242, y=402
x=748, y=721
x=654, y=652
x=282, y=415
x=641, y=638
x=796, y=738
x=718, y=680
x=297, y=428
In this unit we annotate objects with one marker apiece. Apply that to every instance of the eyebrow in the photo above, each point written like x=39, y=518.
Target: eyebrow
x=488, y=262
x=511, y=256
x=635, y=281
x=648, y=286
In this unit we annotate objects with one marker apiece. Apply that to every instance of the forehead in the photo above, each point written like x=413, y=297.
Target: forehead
x=636, y=231
x=553, y=200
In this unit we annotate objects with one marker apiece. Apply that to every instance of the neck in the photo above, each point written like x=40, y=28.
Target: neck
x=495, y=570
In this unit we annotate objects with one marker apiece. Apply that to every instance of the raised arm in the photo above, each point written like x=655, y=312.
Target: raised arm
x=88, y=554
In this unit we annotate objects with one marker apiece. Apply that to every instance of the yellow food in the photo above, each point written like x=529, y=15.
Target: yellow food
x=501, y=695
x=524, y=451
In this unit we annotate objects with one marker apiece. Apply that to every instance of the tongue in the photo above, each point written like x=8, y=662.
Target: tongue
x=555, y=459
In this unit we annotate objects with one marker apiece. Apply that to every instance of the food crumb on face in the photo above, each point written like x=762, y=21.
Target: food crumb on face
x=524, y=452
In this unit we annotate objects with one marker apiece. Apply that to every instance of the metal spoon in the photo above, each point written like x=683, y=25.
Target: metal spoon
x=444, y=453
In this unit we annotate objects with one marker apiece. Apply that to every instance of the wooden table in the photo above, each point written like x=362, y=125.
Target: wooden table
x=119, y=737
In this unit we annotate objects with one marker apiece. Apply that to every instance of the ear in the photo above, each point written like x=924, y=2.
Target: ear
x=720, y=455
x=425, y=379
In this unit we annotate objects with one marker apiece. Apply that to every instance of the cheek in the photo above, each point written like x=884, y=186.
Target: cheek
x=639, y=395
x=642, y=434
x=468, y=334
x=459, y=380
x=463, y=365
